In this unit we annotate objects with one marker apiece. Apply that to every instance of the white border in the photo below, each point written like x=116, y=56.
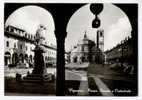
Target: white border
x=2, y=97
x=73, y=1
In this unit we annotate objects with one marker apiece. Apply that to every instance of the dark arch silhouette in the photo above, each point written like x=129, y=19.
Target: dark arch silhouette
x=61, y=14
x=21, y=57
x=7, y=53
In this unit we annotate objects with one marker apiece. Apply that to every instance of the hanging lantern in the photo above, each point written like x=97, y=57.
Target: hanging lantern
x=96, y=22
x=96, y=9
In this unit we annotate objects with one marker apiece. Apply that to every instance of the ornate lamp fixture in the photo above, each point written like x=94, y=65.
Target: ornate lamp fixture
x=96, y=9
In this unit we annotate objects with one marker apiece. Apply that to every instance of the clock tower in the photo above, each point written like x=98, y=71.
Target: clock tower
x=100, y=39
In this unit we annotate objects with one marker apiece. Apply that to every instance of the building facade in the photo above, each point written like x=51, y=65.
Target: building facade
x=86, y=51
x=19, y=46
x=123, y=52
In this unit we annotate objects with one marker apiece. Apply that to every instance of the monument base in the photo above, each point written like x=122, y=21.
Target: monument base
x=38, y=77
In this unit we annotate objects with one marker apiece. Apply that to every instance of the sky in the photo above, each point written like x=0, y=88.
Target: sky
x=29, y=18
x=114, y=22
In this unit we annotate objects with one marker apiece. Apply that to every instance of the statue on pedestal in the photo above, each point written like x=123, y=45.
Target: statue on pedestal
x=39, y=66
x=39, y=72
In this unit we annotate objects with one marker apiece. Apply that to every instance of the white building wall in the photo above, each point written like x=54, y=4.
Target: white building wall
x=30, y=47
x=11, y=41
x=27, y=47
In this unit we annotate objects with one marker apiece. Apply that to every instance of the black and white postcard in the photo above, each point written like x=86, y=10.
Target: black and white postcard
x=71, y=49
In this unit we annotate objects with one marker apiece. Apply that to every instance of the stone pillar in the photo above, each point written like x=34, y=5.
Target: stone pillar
x=60, y=80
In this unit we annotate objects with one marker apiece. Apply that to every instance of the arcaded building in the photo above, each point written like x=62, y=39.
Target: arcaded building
x=122, y=52
x=19, y=46
x=86, y=51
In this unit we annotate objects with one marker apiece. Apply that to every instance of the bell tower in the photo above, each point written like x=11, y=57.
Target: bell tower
x=100, y=39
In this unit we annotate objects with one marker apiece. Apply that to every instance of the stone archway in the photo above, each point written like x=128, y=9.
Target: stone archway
x=30, y=58
x=26, y=58
x=31, y=61
x=15, y=58
x=21, y=58
x=75, y=60
x=83, y=59
x=7, y=57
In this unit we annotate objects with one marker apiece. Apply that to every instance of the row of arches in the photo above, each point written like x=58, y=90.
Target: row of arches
x=15, y=58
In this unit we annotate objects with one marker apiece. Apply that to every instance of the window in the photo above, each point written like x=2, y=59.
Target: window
x=7, y=44
x=46, y=58
x=20, y=46
x=29, y=36
x=14, y=45
x=12, y=30
x=26, y=35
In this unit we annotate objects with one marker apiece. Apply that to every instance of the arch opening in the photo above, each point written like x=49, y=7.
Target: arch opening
x=90, y=47
x=25, y=25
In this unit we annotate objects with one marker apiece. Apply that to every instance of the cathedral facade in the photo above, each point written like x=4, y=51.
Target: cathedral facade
x=86, y=51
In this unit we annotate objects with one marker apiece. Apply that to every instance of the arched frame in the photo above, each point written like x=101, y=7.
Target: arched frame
x=61, y=14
